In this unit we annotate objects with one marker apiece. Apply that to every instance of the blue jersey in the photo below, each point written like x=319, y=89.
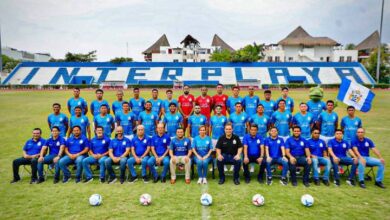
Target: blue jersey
x=172, y=122
x=218, y=126
x=296, y=146
x=81, y=121
x=317, y=147
x=140, y=145
x=105, y=122
x=99, y=145
x=262, y=123
x=76, y=145
x=274, y=146
x=60, y=121
x=254, y=144
x=119, y=146
x=166, y=103
x=269, y=107
x=202, y=145
x=316, y=108
x=126, y=121
x=55, y=145
x=95, y=107
x=328, y=121
x=305, y=122
x=180, y=147
x=350, y=126
x=281, y=121
x=73, y=103
x=363, y=146
x=196, y=121
x=117, y=107
x=160, y=143
x=34, y=147
x=156, y=105
x=239, y=123
x=137, y=106
x=231, y=103
x=340, y=148
x=289, y=103
x=251, y=104
x=149, y=122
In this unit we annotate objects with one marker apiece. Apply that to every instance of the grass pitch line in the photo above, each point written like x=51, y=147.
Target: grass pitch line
x=205, y=209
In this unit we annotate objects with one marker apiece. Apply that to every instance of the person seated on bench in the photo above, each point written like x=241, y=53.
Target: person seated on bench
x=180, y=152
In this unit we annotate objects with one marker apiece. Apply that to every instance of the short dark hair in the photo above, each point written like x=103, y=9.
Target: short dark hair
x=125, y=103
x=229, y=124
x=330, y=101
x=350, y=107
x=99, y=127
x=296, y=127
x=78, y=107
x=99, y=90
x=154, y=90
x=58, y=104
x=55, y=127
x=303, y=103
x=136, y=89
x=285, y=88
x=315, y=129
x=219, y=84
x=103, y=105
x=172, y=103
x=76, y=126
x=260, y=105
x=180, y=128
x=338, y=129
x=217, y=106
x=38, y=129
x=169, y=90
x=282, y=100
x=235, y=87
x=77, y=88
x=253, y=125
x=273, y=127
x=267, y=91
x=238, y=103
x=148, y=102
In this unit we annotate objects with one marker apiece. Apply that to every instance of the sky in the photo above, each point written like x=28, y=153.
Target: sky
x=79, y=26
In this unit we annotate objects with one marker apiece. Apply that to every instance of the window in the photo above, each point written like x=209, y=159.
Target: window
x=277, y=59
x=349, y=59
x=184, y=60
x=341, y=59
x=185, y=52
x=321, y=58
x=202, y=60
x=169, y=51
x=290, y=59
x=175, y=60
x=269, y=59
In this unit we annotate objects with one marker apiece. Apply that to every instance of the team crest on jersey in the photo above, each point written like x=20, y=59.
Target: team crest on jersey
x=60, y=119
x=287, y=116
x=81, y=141
x=223, y=120
x=129, y=118
x=278, y=141
x=82, y=120
x=255, y=101
x=302, y=143
x=144, y=141
x=234, y=142
x=321, y=145
x=272, y=104
x=207, y=100
x=177, y=117
x=334, y=117
x=223, y=98
x=164, y=141
x=79, y=103
x=201, y=119
x=265, y=120
x=356, y=123
x=58, y=143
x=103, y=141
x=242, y=118
x=152, y=117
x=308, y=118
x=108, y=119
x=207, y=142
x=258, y=141
x=319, y=105
x=288, y=103
x=344, y=145
x=39, y=144
x=366, y=144
x=139, y=104
x=190, y=99
x=185, y=143
x=123, y=143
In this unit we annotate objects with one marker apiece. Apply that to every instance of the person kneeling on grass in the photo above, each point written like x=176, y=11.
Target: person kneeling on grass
x=31, y=152
x=98, y=151
x=140, y=147
x=160, y=149
x=76, y=149
x=56, y=146
x=361, y=146
x=319, y=156
x=202, y=148
x=180, y=152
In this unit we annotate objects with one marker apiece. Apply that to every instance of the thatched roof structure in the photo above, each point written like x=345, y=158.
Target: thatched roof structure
x=371, y=42
x=155, y=48
x=218, y=42
x=300, y=37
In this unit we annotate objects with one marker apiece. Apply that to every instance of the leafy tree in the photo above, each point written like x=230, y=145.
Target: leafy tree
x=9, y=63
x=249, y=53
x=77, y=57
x=221, y=56
x=350, y=46
x=121, y=59
x=371, y=63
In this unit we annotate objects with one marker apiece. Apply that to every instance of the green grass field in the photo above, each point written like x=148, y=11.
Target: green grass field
x=21, y=111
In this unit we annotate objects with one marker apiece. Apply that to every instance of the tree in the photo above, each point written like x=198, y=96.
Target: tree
x=250, y=53
x=371, y=63
x=221, y=56
x=121, y=59
x=9, y=63
x=77, y=57
x=350, y=46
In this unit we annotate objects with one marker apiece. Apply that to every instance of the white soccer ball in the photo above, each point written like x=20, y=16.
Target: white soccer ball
x=307, y=200
x=145, y=199
x=95, y=200
x=258, y=200
x=206, y=199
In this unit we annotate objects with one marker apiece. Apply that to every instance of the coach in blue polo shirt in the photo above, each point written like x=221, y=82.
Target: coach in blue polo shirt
x=253, y=153
x=31, y=152
x=160, y=149
x=299, y=154
x=140, y=148
x=76, y=150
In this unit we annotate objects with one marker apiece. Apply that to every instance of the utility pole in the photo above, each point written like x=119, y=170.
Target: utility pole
x=379, y=45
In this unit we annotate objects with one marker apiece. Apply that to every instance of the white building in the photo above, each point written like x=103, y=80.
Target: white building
x=24, y=55
x=299, y=46
x=189, y=51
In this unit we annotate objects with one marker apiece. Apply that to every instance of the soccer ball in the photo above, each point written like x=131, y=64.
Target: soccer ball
x=145, y=199
x=206, y=199
x=258, y=200
x=307, y=200
x=95, y=200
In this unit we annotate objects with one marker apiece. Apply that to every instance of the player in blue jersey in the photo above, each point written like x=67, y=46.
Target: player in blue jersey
x=276, y=154
x=76, y=149
x=58, y=119
x=298, y=153
x=117, y=104
x=127, y=120
x=195, y=121
x=75, y=101
x=261, y=120
x=160, y=157
x=80, y=120
x=56, y=145
x=361, y=147
x=180, y=153
x=104, y=120
x=338, y=149
x=232, y=100
x=328, y=122
x=148, y=119
x=95, y=104
x=217, y=124
x=240, y=121
x=316, y=108
x=254, y=153
x=157, y=104
x=303, y=119
x=31, y=151
x=289, y=101
x=269, y=104
x=98, y=154
x=172, y=120
x=281, y=119
x=251, y=101
x=140, y=148
x=118, y=152
x=350, y=124
x=319, y=156
x=202, y=148
x=137, y=104
x=168, y=101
